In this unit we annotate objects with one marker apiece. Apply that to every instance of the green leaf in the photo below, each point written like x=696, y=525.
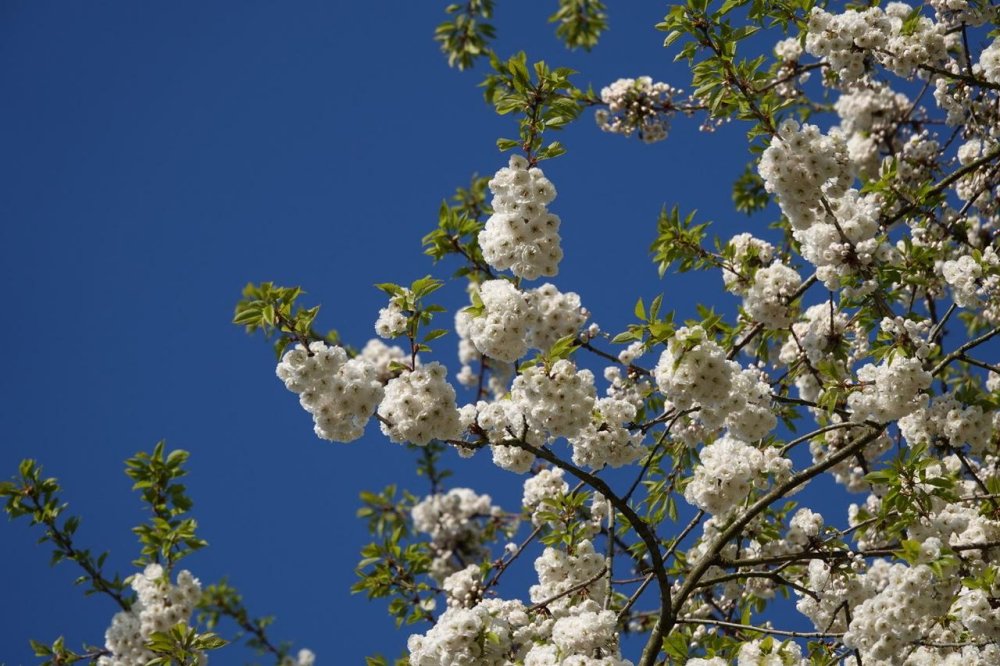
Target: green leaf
x=639, y=310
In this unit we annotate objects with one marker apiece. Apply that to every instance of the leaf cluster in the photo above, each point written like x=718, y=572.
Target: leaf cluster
x=37, y=498
x=410, y=301
x=168, y=536
x=273, y=310
x=544, y=101
x=457, y=232
x=653, y=329
x=679, y=240
x=466, y=35
x=581, y=22
x=393, y=568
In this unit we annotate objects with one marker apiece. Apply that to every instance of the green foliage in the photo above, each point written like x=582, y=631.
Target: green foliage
x=581, y=22
x=37, y=498
x=168, y=536
x=181, y=646
x=465, y=36
x=392, y=568
x=910, y=485
x=749, y=195
x=273, y=310
x=561, y=349
x=385, y=512
x=58, y=654
x=653, y=328
x=566, y=519
x=663, y=483
x=410, y=301
x=732, y=87
x=546, y=101
x=459, y=224
x=429, y=463
x=680, y=241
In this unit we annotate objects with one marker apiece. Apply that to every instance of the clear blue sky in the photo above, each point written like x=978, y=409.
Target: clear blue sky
x=157, y=156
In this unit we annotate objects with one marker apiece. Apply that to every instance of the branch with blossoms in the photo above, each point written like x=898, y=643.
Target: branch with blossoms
x=163, y=615
x=873, y=133
x=860, y=370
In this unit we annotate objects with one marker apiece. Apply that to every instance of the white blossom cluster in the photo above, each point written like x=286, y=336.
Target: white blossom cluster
x=506, y=322
x=890, y=390
x=748, y=414
x=917, y=159
x=557, y=315
x=821, y=331
x=382, y=357
x=305, y=657
x=953, y=523
x=158, y=607
x=454, y=523
x=975, y=283
x=804, y=526
x=729, y=471
x=606, y=440
x=818, y=331
x=836, y=226
x=788, y=51
x=504, y=422
x=391, y=322
x=560, y=571
x=474, y=363
x=911, y=334
x=869, y=119
x=521, y=234
x=637, y=105
x=963, y=105
x=419, y=406
x=766, y=300
x=748, y=254
x=787, y=653
x=464, y=587
x=851, y=471
x=694, y=372
x=801, y=166
x=548, y=484
x=989, y=62
x=834, y=592
x=572, y=630
x=558, y=401
x=578, y=636
x=974, y=609
x=492, y=633
x=947, y=419
x=970, y=12
x=900, y=613
x=340, y=393
x=501, y=330
x=976, y=186
x=849, y=41
x=843, y=241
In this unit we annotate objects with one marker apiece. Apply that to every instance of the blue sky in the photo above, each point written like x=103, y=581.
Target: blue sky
x=157, y=156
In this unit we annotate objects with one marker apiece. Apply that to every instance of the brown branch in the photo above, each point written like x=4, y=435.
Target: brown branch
x=761, y=630
x=641, y=528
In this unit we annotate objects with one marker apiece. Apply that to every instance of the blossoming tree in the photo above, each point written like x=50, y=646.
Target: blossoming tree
x=657, y=462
